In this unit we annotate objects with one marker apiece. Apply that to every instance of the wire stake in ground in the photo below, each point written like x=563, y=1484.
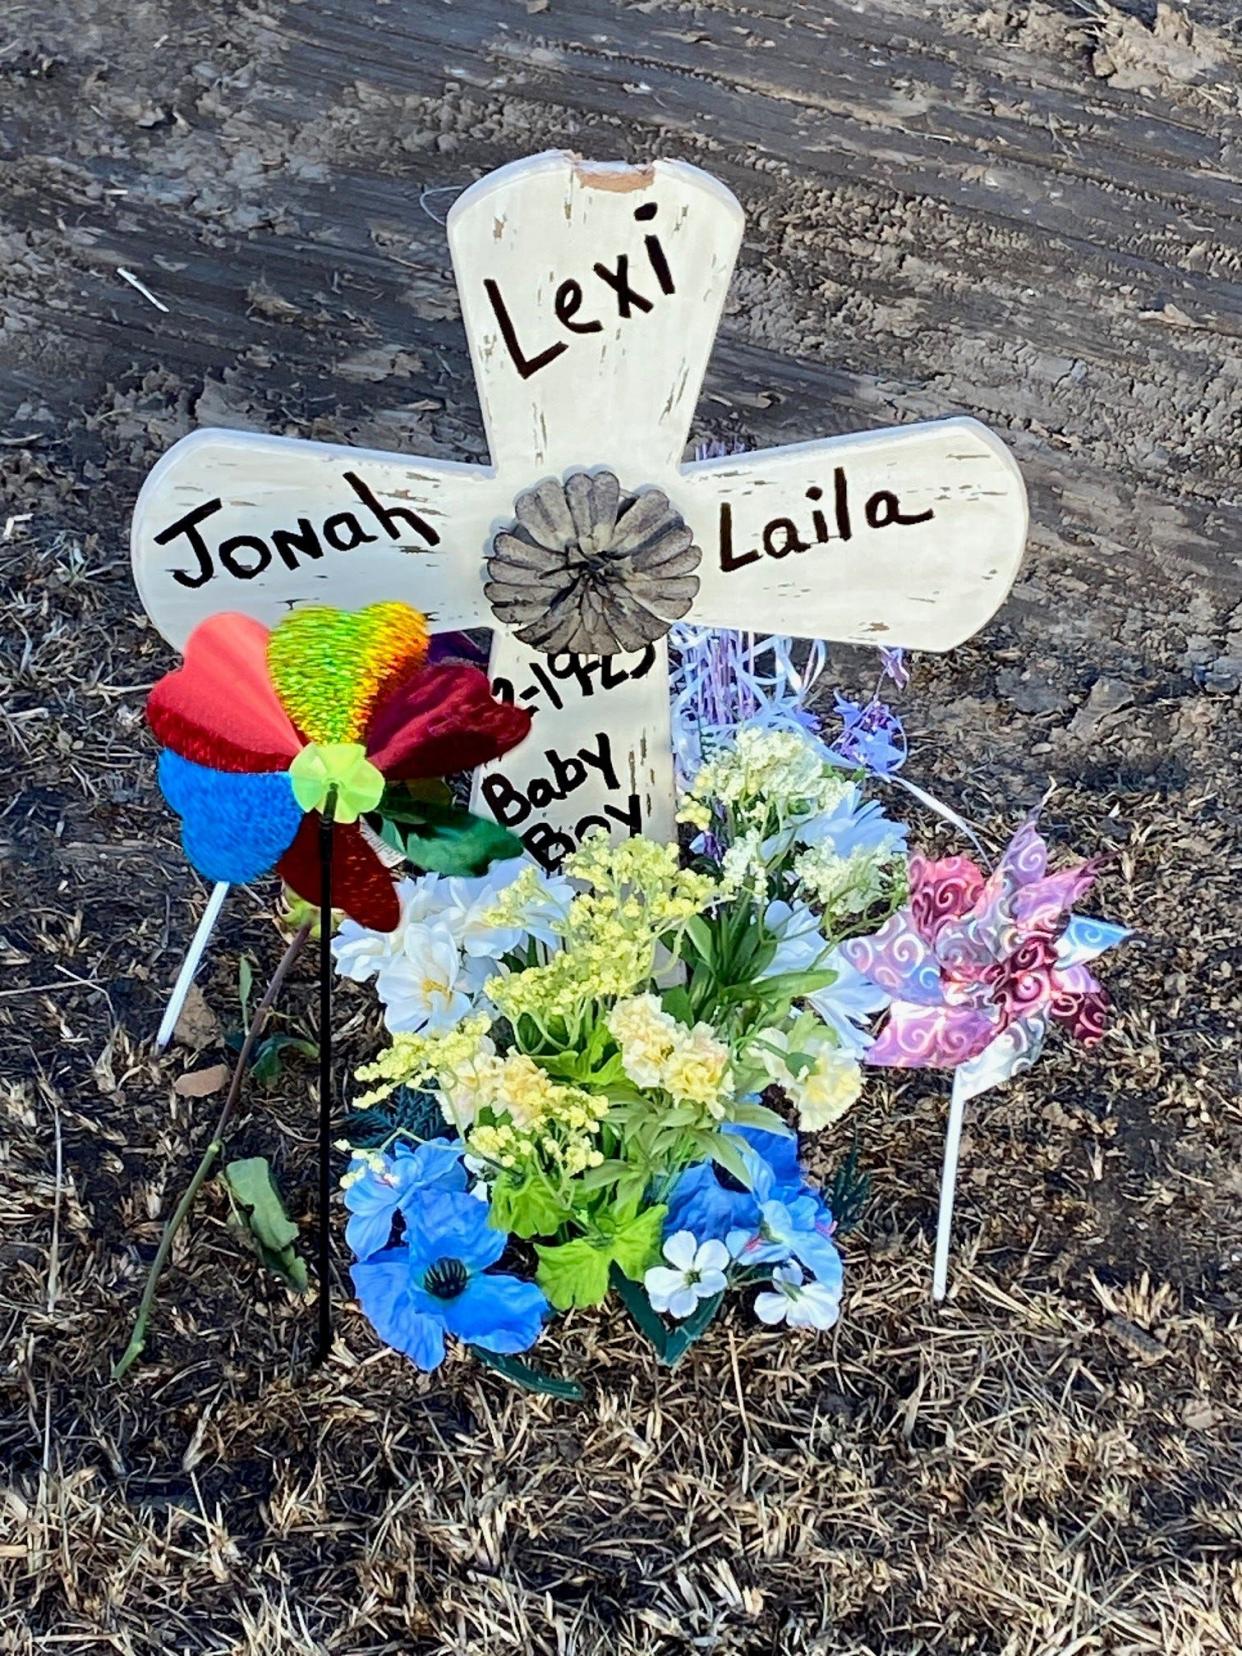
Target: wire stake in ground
x=138, y=1338
x=324, y=1344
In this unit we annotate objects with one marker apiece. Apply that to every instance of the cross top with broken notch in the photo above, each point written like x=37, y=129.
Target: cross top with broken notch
x=591, y=295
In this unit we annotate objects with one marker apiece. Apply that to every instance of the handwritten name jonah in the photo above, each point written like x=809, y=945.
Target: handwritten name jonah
x=782, y=535
x=245, y=556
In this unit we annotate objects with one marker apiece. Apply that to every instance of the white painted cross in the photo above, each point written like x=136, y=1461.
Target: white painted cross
x=591, y=295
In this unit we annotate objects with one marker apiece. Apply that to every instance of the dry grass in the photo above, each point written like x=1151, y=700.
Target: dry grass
x=1044, y=1467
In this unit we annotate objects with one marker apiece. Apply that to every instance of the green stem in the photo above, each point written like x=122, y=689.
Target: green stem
x=138, y=1339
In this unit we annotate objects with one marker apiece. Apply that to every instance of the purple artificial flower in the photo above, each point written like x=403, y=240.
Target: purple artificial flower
x=893, y=666
x=871, y=736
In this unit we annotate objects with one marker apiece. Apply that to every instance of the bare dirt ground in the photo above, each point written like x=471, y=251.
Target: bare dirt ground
x=1025, y=211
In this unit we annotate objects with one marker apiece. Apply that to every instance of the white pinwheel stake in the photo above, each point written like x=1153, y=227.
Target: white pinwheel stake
x=591, y=295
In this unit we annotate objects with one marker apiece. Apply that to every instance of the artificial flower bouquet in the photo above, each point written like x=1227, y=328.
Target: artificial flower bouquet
x=597, y=1081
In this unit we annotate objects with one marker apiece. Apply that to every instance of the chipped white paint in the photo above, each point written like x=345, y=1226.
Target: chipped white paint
x=591, y=296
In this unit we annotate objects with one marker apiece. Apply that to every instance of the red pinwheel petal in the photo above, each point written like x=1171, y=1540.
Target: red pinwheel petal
x=219, y=708
x=942, y=891
x=361, y=885
x=441, y=720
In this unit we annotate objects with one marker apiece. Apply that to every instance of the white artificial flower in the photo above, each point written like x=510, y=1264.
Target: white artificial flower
x=361, y=953
x=849, y=1000
x=698, y=1272
x=822, y=1092
x=851, y=824
x=425, y=988
x=798, y=1303
x=469, y=904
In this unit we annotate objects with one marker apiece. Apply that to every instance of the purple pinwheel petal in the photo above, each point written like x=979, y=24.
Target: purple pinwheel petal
x=931, y=1037
x=1014, y=1050
x=1025, y=858
x=897, y=960
x=942, y=891
x=1043, y=904
x=1075, y=980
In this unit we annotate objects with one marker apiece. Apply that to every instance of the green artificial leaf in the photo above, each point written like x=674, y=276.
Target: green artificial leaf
x=449, y=840
x=634, y=1297
x=266, y=1065
x=700, y=934
x=525, y=1375
x=260, y=1213
x=573, y=1273
x=676, y=1002
x=526, y=1206
x=409, y=1110
x=746, y=1114
x=597, y=1178
x=724, y=1150
x=681, y=1338
x=636, y=1245
x=848, y=1192
x=784, y=986
x=407, y=801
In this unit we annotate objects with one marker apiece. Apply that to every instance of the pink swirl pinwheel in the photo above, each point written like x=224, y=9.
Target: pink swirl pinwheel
x=979, y=967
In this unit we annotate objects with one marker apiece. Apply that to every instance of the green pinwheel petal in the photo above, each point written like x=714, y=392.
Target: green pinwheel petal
x=323, y=768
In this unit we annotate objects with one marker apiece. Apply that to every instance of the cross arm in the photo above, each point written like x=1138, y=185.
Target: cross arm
x=230, y=520
x=909, y=536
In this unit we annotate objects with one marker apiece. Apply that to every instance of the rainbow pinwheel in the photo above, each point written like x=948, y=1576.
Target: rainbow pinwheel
x=260, y=728
x=979, y=967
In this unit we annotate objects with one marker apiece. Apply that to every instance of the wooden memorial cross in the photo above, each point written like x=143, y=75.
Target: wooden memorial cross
x=590, y=295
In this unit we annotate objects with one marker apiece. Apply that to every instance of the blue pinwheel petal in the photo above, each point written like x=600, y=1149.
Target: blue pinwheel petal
x=235, y=825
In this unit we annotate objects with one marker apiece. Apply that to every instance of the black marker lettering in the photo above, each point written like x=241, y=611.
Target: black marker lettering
x=389, y=517
x=228, y=550
x=630, y=815
x=655, y=257
x=727, y=560
x=568, y=773
x=602, y=761
x=567, y=302
x=792, y=542
x=817, y=517
x=885, y=501
x=290, y=542
x=841, y=502
x=619, y=282
x=645, y=663
x=506, y=804
x=345, y=523
x=188, y=526
x=526, y=366
x=547, y=845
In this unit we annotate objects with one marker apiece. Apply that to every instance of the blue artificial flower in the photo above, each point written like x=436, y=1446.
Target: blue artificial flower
x=435, y=1283
x=800, y=1228
x=854, y=825
x=375, y=1197
x=848, y=1003
x=709, y=1201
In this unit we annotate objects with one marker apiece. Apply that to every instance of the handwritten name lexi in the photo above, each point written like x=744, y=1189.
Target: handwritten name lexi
x=619, y=293
x=782, y=535
x=245, y=556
